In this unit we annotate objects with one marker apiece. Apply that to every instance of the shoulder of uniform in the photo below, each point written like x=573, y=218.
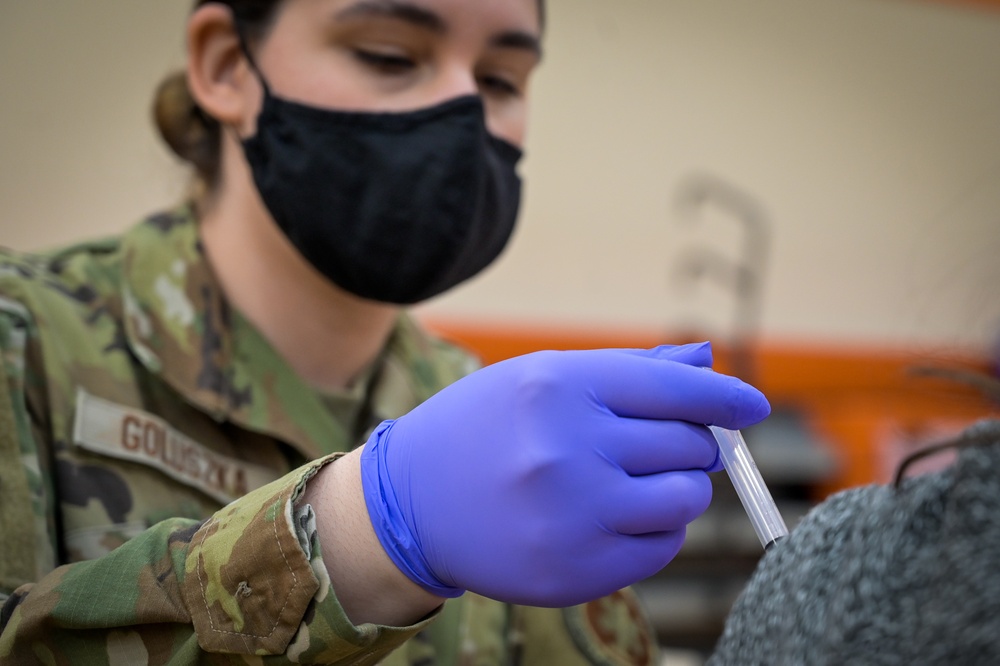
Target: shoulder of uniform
x=88, y=269
x=160, y=227
x=458, y=359
x=610, y=631
x=446, y=361
x=80, y=271
x=613, y=630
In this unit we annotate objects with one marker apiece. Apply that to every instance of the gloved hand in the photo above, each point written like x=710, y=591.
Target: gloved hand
x=554, y=478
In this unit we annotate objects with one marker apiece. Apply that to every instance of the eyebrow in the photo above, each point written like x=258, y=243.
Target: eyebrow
x=402, y=11
x=428, y=20
x=516, y=39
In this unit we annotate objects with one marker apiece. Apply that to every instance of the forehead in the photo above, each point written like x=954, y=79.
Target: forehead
x=453, y=15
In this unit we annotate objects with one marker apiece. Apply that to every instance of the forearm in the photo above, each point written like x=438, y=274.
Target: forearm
x=246, y=581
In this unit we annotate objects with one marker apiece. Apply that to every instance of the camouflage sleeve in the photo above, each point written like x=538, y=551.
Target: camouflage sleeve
x=248, y=581
x=27, y=546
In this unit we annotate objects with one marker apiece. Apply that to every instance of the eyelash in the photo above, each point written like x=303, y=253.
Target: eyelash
x=385, y=63
x=397, y=65
x=499, y=86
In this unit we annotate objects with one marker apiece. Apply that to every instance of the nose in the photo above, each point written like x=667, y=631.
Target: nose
x=458, y=79
x=454, y=80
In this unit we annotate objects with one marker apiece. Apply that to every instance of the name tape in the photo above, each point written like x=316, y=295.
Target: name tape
x=126, y=433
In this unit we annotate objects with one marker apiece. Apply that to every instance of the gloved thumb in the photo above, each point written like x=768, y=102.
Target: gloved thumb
x=696, y=353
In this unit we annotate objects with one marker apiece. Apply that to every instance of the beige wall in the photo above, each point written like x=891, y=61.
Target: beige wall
x=77, y=154
x=870, y=130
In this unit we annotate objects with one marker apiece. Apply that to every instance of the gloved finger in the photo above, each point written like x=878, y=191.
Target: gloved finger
x=643, y=446
x=652, y=551
x=640, y=387
x=657, y=503
x=716, y=465
x=625, y=560
x=696, y=353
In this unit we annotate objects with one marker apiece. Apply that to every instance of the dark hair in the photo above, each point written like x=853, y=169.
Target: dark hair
x=190, y=132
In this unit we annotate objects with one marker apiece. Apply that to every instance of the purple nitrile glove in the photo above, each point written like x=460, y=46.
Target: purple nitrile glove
x=554, y=478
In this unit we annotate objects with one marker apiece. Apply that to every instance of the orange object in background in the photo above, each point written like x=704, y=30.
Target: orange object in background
x=868, y=404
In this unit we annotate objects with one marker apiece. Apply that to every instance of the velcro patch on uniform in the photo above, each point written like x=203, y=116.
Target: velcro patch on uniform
x=612, y=630
x=126, y=433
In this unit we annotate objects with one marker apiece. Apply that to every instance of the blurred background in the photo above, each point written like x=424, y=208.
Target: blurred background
x=810, y=184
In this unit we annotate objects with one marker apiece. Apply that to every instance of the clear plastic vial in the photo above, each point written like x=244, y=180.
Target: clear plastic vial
x=749, y=484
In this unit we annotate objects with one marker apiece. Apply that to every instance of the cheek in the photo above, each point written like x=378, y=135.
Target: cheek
x=508, y=120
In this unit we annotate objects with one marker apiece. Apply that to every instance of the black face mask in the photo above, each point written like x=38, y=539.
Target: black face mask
x=392, y=207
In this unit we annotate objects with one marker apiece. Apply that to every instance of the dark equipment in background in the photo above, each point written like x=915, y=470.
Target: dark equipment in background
x=743, y=276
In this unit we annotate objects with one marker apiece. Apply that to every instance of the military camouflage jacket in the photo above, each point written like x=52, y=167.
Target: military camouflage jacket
x=155, y=444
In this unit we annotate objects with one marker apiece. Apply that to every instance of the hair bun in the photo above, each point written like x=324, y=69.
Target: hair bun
x=189, y=132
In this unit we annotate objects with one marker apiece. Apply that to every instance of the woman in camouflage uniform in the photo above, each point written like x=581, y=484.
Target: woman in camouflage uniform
x=181, y=407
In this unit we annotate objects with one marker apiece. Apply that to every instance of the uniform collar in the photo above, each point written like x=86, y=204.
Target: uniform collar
x=181, y=328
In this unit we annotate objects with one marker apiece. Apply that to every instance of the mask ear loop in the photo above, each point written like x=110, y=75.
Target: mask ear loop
x=245, y=48
x=980, y=434
x=984, y=434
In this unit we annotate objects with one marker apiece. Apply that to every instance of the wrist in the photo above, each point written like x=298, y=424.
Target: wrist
x=369, y=587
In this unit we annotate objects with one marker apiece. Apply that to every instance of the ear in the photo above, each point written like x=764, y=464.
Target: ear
x=218, y=74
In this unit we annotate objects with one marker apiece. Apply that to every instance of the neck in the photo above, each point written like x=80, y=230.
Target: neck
x=327, y=335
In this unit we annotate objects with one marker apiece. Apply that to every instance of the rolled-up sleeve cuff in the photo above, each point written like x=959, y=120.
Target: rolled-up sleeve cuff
x=255, y=583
